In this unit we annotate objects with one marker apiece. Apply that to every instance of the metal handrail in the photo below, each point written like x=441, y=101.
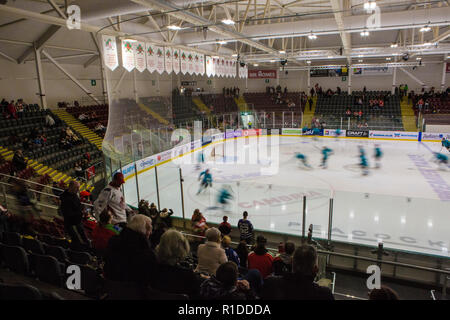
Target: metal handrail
x=399, y=264
x=29, y=181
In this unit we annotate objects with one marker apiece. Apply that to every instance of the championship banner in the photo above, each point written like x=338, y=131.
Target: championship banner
x=208, y=66
x=128, y=61
x=176, y=61
x=219, y=68
x=227, y=68
x=222, y=67
x=202, y=64
x=213, y=67
x=139, y=56
x=233, y=70
x=190, y=62
x=150, y=57
x=160, y=59
x=196, y=63
x=168, y=60
x=110, y=52
x=183, y=62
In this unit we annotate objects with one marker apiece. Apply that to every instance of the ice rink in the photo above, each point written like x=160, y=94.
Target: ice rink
x=405, y=203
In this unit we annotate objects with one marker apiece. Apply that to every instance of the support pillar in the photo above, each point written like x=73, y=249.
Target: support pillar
x=40, y=78
x=444, y=73
x=394, y=81
x=349, y=83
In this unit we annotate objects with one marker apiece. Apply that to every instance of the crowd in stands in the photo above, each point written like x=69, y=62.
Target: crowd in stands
x=230, y=92
x=430, y=101
x=15, y=109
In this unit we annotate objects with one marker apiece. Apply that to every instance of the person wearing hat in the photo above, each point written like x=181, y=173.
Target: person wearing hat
x=111, y=196
x=260, y=259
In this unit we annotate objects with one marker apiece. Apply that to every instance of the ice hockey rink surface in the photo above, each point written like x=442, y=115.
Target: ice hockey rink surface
x=405, y=203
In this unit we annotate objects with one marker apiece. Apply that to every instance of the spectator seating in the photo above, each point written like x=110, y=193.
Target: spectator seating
x=220, y=103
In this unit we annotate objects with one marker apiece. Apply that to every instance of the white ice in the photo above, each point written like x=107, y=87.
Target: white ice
x=395, y=204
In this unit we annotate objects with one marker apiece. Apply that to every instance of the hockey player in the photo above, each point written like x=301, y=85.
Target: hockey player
x=378, y=154
x=206, y=181
x=364, y=165
x=302, y=157
x=441, y=159
x=201, y=160
x=325, y=152
x=445, y=144
x=338, y=133
x=224, y=196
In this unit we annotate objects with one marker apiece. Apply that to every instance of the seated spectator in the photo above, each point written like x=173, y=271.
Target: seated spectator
x=79, y=173
x=199, y=225
x=384, y=293
x=282, y=263
x=242, y=252
x=174, y=274
x=12, y=110
x=83, y=117
x=19, y=108
x=225, y=285
x=210, y=254
x=225, y=227
x=104, y=231
x=348, y=113
x=298, y=285
x=260, y=258
x=129, y=256
x=154, y=212
x=144, y=208
x=230, y=253
x=49, y=121
x=164, y=217
x=99, y=128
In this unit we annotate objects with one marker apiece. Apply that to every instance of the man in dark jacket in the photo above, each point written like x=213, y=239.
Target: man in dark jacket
x=298, y=285
x=129, y=257
x=72, y=211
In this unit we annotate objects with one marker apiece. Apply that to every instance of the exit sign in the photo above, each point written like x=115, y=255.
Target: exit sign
x=93, y=83
x=267, y=81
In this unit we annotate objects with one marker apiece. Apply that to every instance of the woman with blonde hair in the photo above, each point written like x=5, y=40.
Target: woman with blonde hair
x=174, y=274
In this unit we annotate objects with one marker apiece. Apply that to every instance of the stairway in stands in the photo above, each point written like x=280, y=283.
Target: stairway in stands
x=41, y=169
x=79, y=127
x=308, y=115
x=241, y=103
x=408, y=116
x=200, y=105
x=154, y=114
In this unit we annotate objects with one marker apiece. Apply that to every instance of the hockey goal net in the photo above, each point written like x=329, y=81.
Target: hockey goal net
x=217, y=151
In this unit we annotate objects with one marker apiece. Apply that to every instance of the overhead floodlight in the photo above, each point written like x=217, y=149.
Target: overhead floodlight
x=282, y=51
x=369, y=6
x=394, y=45
x=308, y=62
x=360, y=61
x=312, y=36
x=388, y=59
x=173, y=27
x=425, y=29
x=364, y=33
x=418, y=58
x=272, y=61
x=228, y=22
x=255, y=64
x=221, y=42
x=234, y=55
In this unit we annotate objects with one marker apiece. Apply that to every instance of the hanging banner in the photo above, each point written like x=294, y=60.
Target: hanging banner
x=209, y=66
x=241, y=71
x=213, y=66
x=159, y=59
x=150, y=57
x=128, y=61
x=184, y=67
x=190, y=62
x=110, y=52
x=168, y=60
x=233, y=72
x=222, y=66
x=196, y=62
x=176, y=61
x=139, y=56
x=202, y=64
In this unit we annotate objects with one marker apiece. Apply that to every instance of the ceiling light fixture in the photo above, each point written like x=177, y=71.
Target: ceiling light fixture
x=388, y=59
x=255, y=64
x=308, y=62
x=360, y=61
x=282, y=51
x=364, y=33
x=221, y=42
x=425, y=29
x=173, y=27
x=228, y=22
x=394, y=45
x=312, y=36
x=370, y=5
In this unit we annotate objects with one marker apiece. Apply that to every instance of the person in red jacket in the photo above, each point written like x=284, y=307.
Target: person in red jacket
x=260, y=259
x=104, y=231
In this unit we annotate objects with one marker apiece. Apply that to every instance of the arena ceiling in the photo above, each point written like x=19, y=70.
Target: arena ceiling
x=303, y=32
